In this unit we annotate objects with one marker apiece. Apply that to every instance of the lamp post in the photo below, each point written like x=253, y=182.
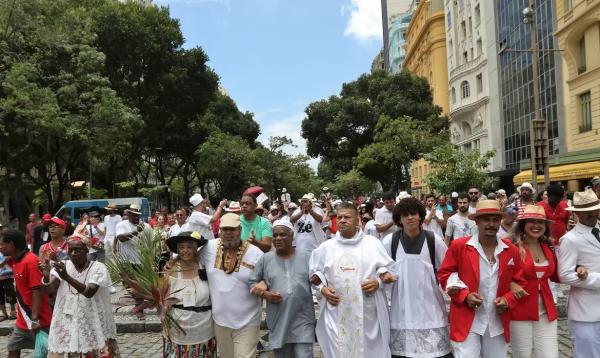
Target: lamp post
x=539, y=127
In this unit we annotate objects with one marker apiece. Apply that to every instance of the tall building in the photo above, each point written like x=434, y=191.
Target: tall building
x=578, y=34
x=378, y=63
x=389, y=10
x=470, y=28
x=426, y=57
x=426, y=48
x=397, y=40
x=515, y=76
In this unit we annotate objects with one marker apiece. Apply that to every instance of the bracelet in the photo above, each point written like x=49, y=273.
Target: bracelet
x=45, y=283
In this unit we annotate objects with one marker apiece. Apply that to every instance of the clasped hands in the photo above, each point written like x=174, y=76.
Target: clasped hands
x=369, y=286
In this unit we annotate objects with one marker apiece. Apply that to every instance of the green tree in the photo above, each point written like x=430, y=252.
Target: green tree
x=376, y=125
x=352, y=184
x=455, y=170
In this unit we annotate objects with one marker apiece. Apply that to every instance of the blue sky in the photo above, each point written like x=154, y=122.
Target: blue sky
x=274, y=57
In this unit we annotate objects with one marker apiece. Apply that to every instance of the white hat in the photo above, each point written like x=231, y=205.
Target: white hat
x=337, y=202
x=454, y=195
x=283, y=222
x=196, y=199
x=274, y=207
x=402, y=195
x=135, y=209
x=234, y=207
x=283, y=190
x=585, y=201
x=526, y=185
x=325, y=189
x=308, y=196
x=501, y=192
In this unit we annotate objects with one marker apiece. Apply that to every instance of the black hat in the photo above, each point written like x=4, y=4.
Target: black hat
x=193, y=236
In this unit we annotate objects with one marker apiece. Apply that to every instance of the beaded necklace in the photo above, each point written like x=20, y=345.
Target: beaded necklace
x=228, y=262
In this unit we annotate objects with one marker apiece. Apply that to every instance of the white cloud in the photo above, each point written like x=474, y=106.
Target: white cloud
x=291, y=128
x=364, y=22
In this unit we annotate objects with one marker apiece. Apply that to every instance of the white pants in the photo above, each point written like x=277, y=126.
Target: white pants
x=586, y=338
x=474, y=345
x=540, y=336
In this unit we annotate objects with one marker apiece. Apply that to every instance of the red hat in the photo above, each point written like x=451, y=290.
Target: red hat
x=47, y=217
x=58, y=222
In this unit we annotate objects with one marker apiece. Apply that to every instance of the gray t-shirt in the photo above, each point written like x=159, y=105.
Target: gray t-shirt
x=293, y=319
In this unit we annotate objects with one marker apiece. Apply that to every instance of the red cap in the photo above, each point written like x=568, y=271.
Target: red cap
x=58, y=222
x=47, y=217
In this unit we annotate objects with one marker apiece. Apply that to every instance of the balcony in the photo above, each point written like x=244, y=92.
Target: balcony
x=466, y=67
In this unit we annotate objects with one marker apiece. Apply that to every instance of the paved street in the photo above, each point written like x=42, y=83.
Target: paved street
x=149, y=345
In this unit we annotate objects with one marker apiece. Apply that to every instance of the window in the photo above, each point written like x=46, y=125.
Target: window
x=479, y=83
x=585, y=104
x=449, y=20
x=453, y=95
x=466, y=90
x=568, y=5
x=582, y=65
x=479, y=47
x=477, y=15
x=463, y=29
x=465, y=57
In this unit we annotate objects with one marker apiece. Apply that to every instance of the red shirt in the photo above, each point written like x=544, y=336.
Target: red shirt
x=27, y=278
x=560, y=218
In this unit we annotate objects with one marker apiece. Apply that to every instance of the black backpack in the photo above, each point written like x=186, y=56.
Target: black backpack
x=430, y=245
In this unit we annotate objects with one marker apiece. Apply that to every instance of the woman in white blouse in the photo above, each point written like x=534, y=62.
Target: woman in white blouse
x=194, y=338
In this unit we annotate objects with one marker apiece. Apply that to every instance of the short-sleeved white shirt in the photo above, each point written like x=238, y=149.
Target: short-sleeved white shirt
x=309, y=232
x=110, y=222
x=127, y=248
x=460, y=226
x=233, y=306
x=383, y=216
x=433, y=225
x=200, y=222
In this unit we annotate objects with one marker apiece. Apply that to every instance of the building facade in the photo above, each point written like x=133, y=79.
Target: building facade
x=515, y=76
x=389, y=10
x=578, y=35
x=468, y=34
x=397, y=36
x=426, y=57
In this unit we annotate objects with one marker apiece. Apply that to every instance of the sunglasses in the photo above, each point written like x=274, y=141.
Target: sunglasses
x=474, y=193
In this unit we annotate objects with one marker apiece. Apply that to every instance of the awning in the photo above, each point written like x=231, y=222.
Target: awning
x=586, y=170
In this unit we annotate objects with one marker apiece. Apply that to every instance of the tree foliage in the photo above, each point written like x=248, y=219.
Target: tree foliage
x=377, y=125
x=455, y=170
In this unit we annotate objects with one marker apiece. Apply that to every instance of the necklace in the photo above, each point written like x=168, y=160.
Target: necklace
x=230, y=261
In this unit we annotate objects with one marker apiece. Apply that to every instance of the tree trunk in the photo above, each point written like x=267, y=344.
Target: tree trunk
x=20, y=208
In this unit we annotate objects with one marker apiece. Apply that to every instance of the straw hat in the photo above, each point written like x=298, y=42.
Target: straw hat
x=234, y=207
x=535, y=212
x=526, y=185
x=135, y=209
x=486, y=207
x=585, y=201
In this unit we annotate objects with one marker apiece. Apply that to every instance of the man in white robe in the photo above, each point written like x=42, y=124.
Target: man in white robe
x=349, y=271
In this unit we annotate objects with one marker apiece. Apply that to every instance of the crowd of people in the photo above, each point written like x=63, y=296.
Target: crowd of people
x=380, y=269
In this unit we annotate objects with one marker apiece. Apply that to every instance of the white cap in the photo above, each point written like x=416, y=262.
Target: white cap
x=196, y=199
x=283, y=222
x=402, y=195
x=454, y=195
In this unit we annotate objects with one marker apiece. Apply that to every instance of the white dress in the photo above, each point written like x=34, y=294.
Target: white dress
x=344, y=264
x=81, y=324
x=418, y=318
x=198, y=326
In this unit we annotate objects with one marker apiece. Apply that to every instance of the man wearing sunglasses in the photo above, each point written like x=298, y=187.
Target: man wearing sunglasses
x=473, y=199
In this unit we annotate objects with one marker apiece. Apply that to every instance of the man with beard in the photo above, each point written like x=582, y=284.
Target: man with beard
x=350, y=270
x=281, y=278
x=229, y=262
x=526, y=192
x=478, y=271
x=473, y=199
x=459, y=224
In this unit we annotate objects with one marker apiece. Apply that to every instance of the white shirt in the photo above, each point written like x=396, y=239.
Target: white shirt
x=488, y=289
x=580, y=247
x=472, y=209
x=308, y=231
x=127, y=248
x=460, y=226
x=176, y=229
x=199, y=222
x=383, y=216
x=433, y=225
x=110, y=222
x=370, y=229
x=233, y=306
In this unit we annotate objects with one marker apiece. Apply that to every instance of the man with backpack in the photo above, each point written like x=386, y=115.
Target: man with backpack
x=418, y=319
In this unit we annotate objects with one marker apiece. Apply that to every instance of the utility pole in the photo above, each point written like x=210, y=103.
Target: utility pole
x=538, y=136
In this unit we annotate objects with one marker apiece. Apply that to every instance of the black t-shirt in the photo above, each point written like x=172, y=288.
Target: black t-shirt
x=412, y=246
x=40, y=237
